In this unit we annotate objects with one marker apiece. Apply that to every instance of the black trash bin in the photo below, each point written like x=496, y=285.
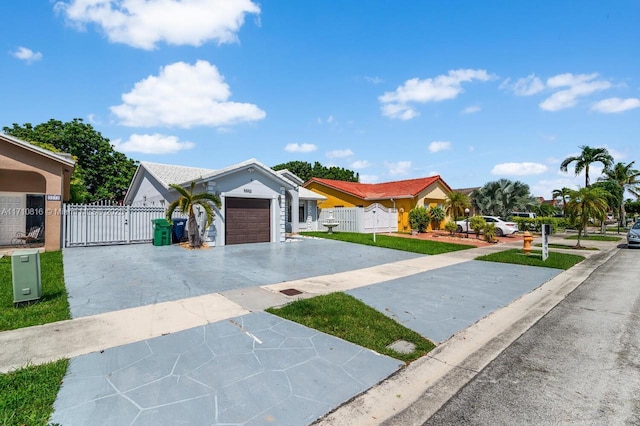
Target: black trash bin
x=177, y=235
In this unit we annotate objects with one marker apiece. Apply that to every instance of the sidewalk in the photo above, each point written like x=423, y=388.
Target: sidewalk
x=229, y=357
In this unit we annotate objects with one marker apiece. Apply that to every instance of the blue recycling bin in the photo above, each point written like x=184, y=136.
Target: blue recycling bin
x=178, y=230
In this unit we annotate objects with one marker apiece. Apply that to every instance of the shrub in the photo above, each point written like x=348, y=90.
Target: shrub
x=450, y=226
x=437, y=215
x=419, y=219
x=477, y=223
x=489, y=232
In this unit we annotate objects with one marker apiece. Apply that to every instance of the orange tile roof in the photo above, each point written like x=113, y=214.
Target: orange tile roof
x=379, y=191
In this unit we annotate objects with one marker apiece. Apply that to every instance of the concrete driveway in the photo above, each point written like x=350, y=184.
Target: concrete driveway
x=111, y=278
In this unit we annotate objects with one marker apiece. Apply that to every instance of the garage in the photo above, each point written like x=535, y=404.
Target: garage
x=248, y=220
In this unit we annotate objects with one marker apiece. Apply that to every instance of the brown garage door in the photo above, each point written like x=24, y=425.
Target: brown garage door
x=248, y=221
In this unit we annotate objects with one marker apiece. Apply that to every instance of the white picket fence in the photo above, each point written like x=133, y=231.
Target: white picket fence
x=370, y=219
x=94, y=224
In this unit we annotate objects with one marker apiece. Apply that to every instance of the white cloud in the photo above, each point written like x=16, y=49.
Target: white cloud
x=545, y=187
x=578, y=85
x=398, y=168
x=304, y=147
x=369, y=178
x=519, y=169
x=525, y=86
x=373, y=80
x=361, y=164
x=440, y=88
x=339, y=153
x=614, y=105
x=153, y=144
x=143, y=24
x=471, y=109
x=617, y=155
x=184, y=95
x=26, y=54
x=437, y=146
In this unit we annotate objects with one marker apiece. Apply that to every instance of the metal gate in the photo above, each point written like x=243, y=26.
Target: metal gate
x=88, y=224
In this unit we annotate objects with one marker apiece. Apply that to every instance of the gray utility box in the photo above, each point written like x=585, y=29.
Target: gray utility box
x=25, y=268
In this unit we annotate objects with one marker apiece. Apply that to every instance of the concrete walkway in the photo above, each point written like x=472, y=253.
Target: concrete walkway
x=214, y=355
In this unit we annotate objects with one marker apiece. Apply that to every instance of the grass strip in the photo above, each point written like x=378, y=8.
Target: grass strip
x=27, y=395
x=397, y=243
x=594, y=238
x=566, y=246
x=52, y=306
x=344, y=316
x=555, y=260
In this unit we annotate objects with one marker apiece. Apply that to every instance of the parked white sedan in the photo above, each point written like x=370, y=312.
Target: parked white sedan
x=502, y=226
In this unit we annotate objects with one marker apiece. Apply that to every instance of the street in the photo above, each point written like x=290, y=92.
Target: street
x=580, y=364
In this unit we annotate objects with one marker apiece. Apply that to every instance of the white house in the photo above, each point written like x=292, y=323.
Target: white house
x=257, y=202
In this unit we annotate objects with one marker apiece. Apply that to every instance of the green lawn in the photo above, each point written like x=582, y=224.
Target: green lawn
x=555, y=260
x=566, y=246
x=346, y=317
x=53, y=305
x=27, y=395
x=397, y=243
x=592, y=237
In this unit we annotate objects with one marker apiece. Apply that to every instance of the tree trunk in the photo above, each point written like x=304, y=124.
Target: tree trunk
x=194, y=236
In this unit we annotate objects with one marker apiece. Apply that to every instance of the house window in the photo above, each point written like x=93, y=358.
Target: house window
x=302, y=217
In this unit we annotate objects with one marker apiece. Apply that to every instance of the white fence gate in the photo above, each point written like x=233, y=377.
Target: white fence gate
x=88, y=224
x=373, y=218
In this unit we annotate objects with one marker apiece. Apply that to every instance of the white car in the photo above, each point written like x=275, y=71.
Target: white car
x=502, y=226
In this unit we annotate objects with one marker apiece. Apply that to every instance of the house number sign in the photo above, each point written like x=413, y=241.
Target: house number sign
x=247, y=190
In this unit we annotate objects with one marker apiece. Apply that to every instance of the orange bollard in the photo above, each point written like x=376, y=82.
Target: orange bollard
x=528, y=239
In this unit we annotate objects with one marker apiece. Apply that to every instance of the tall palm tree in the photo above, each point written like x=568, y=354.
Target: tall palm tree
x=186, y=203
x=455, y=204
x=501, y=197
x=563, y=194
x=587, y=157
x=625, y=177
x=584, y=204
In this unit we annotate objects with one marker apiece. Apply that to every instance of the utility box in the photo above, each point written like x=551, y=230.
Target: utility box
x=25, y=269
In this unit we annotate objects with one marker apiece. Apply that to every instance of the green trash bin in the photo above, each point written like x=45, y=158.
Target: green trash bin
x=161, y=232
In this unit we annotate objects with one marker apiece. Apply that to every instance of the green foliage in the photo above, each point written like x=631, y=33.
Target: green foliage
x=53, y=305
x=585, y=204
x=500, y=197
x=515, y=256
x=587, y=157
x=620, y=178
x=28, y=394
x=632, y=207
x=489, y=231
x=419, y=218
x=535, y=224
x=186, y=203
x=450, y=226
x=477, y=223
x=306, y=171
x=397, y=243
x=104, y=172
x=455, y=204
x=346, y=317
x=436, y=215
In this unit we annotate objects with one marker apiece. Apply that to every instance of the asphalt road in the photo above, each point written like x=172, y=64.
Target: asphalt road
x=580, y=364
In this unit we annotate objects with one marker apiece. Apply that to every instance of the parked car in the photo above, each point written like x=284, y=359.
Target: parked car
x=502, y=226
x=528, y=215
x=633, y=236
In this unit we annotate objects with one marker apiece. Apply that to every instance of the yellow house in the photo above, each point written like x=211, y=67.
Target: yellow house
x=403, y=195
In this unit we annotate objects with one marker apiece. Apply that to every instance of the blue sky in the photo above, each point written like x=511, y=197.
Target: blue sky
x=473, y=91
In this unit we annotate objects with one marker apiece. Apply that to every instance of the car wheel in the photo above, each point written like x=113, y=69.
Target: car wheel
x=459, y=229
x=499, y=232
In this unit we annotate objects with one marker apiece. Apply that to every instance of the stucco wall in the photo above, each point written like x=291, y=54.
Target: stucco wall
x=42, y=175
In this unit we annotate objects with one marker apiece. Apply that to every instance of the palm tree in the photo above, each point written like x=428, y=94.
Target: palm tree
x=626, y=178
x=584, y=204
x=186, y=203
x=455, y=204
x=563, y=194
x=501, y=197
x=587, y=157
